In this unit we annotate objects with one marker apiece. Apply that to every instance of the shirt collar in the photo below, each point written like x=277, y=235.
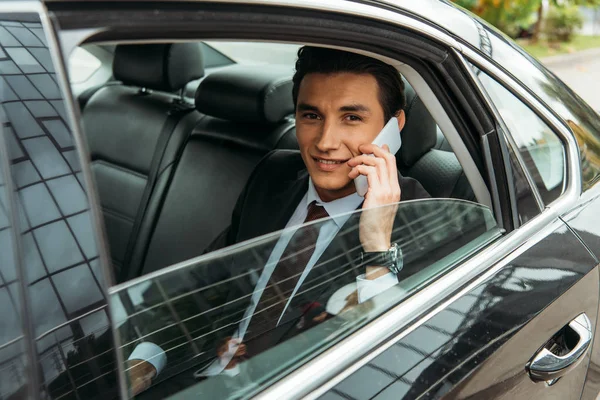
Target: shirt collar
x=340, y=209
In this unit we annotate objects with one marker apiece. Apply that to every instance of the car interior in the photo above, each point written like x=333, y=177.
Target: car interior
x=175, y=130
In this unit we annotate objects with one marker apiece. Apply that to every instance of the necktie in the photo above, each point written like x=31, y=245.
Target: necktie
x=286, y=274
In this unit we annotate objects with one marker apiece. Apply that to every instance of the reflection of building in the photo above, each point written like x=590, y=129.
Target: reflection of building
x=59, y=257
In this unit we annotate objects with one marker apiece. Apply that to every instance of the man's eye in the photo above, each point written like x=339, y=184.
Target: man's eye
x=310, y=116
x=353, y=118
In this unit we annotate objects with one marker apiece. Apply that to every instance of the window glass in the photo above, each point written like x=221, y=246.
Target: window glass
x=258, y=52
x=539, y=147
x=82, y=64
x=13, y=359
x=68, y=309
x=237, y=319
x=212, y=58
x=527, y=206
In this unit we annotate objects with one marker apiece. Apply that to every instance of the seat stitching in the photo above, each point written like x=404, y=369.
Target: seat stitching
x=117, y=214
x=120, y=168
x=271, y=89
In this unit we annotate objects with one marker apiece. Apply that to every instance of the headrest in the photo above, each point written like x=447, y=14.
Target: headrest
x=420, y=131
x=252, y=94
x=165, y=67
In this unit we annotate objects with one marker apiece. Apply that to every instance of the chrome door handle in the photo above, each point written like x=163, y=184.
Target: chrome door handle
x=547, y=366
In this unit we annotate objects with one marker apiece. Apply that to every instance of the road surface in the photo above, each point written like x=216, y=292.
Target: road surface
x=581, y=72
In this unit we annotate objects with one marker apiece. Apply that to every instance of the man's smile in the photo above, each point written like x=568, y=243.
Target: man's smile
x=329, y=164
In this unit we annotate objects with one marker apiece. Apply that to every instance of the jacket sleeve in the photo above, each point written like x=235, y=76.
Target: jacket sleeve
x=411, y=189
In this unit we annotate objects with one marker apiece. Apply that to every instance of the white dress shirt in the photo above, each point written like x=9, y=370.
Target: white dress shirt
x=340, y=211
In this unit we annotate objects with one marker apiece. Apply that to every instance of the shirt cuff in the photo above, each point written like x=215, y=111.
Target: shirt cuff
x=368, y=288
x=151, y=353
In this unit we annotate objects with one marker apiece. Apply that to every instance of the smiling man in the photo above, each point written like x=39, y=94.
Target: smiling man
x=343, y=100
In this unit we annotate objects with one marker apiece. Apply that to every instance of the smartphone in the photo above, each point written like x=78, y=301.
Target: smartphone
x=390, y=135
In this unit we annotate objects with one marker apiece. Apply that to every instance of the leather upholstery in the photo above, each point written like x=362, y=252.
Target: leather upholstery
x=210, y=158
x=420, y=131
x=165, y=67
x=217, y=161
x=253, y=94
x=122, y=125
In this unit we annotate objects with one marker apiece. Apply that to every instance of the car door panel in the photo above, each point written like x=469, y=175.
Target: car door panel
x=584, y=221
x=479, y=344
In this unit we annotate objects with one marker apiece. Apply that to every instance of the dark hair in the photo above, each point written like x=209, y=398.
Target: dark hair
x=330, y=61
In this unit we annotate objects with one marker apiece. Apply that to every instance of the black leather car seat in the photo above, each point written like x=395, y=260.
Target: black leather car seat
x=438, y=171
x=248, y=109
x=135, y=132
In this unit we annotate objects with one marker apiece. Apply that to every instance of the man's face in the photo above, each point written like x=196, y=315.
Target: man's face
x=335, y=114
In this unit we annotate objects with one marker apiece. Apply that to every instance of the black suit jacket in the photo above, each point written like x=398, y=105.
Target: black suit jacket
x=266, y=204
x=272, y=194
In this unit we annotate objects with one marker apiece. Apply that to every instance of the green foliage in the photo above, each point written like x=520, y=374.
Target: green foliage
x=468, y=4
x=509, y=15
x=561, y=23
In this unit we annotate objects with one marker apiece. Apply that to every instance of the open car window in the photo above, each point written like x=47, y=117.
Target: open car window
x=202, y=311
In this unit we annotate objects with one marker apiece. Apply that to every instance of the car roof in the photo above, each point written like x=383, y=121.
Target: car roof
x=443, y=14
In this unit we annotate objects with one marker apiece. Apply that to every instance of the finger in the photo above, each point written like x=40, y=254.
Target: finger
x=377, y=162
x=391, y=163
x=371, y=174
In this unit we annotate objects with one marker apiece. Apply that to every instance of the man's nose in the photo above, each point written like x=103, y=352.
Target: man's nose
x=329, y=138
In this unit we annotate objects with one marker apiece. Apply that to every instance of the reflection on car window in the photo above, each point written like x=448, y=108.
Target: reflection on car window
x=68, y=309
x=12, y=345
x=236, y=318
x=541, y=149
x=581, y=118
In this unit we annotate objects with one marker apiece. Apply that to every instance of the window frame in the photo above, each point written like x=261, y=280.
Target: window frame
x=414, y=311
x=572, y=180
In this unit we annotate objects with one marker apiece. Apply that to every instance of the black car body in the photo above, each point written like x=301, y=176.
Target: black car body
x=472, y=329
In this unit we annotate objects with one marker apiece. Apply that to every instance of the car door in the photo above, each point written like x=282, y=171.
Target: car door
x=487, y=341
x=64, y=349
x=488, y=317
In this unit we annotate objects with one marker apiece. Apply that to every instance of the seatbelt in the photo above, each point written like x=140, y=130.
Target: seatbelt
x=174, y=115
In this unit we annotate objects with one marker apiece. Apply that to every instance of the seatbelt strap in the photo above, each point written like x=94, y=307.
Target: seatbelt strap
x=173, y=117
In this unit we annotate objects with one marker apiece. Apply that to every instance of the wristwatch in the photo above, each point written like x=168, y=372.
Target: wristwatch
x=391, y=259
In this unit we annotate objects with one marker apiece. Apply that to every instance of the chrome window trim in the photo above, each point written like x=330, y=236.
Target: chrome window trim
x=573, y=179
x=508, y=136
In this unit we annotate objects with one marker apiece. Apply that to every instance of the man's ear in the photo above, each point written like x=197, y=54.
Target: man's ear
x=401, y=119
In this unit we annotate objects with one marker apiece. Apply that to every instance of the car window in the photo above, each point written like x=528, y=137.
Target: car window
x=539, y=146
x=82, y=64
x=257, y=52
x=13, y=356
x=213, y=58
x=247, y=295
x=56, y=237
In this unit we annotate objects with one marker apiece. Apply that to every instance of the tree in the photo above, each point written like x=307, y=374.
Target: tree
x=510, y=16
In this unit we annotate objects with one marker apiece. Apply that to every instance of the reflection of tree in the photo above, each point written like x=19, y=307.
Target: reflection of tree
x=585, y=124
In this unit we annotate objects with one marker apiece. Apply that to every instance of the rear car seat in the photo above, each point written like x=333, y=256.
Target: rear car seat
x=247, y=115
x=438, y=171
x=124, y=125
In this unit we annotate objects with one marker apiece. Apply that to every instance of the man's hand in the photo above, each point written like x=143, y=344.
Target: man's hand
x=230, y=351
x=140, y=374
x=376, y=222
